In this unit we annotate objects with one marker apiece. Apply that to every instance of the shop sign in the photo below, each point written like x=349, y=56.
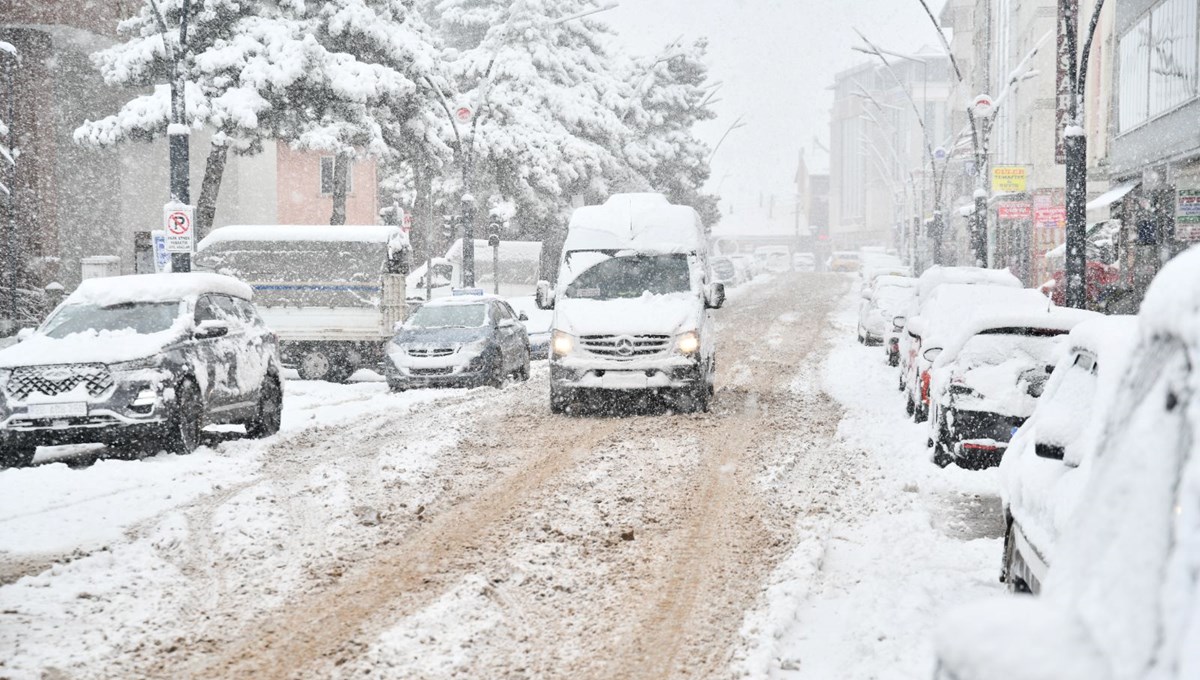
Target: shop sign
x=1051, y=217
x=1014, y=211
x=1008, y=179
x=1187, y=215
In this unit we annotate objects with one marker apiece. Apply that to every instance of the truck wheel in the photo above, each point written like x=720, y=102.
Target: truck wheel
x=17, y=456
x=319, y=364
x=270, y=410
x=183, y=427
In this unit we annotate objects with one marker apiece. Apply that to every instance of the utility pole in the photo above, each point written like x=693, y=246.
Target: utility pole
x=178, y=133
x=1075, y=151
x=11, y=188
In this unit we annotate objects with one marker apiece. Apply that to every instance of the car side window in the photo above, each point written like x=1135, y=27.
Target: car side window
x=226, y=309
x=206, y=310
x=500, y=311
x=248, y=313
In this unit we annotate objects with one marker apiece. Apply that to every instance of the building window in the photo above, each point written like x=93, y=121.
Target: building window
x=327, y=170
x=1159, y=62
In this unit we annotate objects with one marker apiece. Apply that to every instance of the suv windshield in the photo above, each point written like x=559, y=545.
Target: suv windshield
x=633, y=276
x=140, y=317
x=449, y=316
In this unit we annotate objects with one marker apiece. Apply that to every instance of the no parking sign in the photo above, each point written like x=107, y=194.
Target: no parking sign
x=178, y=225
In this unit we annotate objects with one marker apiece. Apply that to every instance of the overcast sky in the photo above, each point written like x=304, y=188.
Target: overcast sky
x=776, y=58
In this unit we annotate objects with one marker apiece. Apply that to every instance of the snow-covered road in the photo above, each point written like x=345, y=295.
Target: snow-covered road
x=797, y=531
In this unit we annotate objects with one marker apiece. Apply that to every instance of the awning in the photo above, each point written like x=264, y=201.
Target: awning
x=1112, y=195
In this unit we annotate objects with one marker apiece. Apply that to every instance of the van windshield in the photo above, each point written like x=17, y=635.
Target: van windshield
x=633, y=276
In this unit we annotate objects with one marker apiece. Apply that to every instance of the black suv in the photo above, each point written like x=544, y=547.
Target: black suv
x=141, y=363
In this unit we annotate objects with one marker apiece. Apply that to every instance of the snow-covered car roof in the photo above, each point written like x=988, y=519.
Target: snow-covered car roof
x=1172, y=304
x=643, y=222
x=1062, y=319
x=886, y=280
x=370, y=233
x=952, y=307
x=937, y=276
x=462, y=300
x=116, y=290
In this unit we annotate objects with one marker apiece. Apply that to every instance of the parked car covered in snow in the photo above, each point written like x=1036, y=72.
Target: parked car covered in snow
x=141, y=363
x=986, y=381
x=461, y=341
x=633, y=305
x=927, y=283
x=804, y=262
x=844, y=261
x=1122, y=600
x=882, y=303
x=944, y=313
x=724, y=271
x=775, y=259
x=332, y=294
x=1048, y=461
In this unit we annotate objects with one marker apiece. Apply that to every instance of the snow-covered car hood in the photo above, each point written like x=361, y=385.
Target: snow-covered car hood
x=649, y=314
x=104, y=347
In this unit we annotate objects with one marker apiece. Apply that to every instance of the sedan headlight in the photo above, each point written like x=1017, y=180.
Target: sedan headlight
x=134, y=365
x=562, y=344
x=688, y=343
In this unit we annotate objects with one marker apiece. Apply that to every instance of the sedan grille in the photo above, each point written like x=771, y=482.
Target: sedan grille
x=426, y=352
x=624, y=347
x=54, y=380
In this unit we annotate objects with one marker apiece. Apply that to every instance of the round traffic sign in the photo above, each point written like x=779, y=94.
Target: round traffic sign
x=983, y=105
x=463, y=113
x=179, y=223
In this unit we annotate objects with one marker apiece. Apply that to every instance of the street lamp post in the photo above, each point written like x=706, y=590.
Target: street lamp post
x=11, y=248
x=1075, y=152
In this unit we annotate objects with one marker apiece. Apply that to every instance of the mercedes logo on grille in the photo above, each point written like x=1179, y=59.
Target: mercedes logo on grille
x=625, y=347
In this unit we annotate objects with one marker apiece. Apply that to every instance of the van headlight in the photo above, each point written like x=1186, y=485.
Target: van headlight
x=562, y=344
x=688, y=343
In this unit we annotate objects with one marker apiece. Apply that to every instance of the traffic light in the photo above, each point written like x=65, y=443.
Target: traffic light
x=449, y=226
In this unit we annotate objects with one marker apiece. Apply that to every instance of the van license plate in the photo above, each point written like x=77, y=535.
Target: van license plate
x=623, y=380
x=69, y=410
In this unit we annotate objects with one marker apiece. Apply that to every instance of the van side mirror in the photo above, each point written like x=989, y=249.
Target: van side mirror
x=715, y=296
x=522, y=317
x=545, y=295
x=898, y=323
x=24, y=334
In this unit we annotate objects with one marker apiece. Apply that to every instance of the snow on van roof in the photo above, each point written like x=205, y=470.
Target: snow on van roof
x=370, y=233
x=116, y=290
x=644, y=222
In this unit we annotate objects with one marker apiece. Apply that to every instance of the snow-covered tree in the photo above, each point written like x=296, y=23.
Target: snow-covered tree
x=340, y=77
x=672, y=95
x=548, y=103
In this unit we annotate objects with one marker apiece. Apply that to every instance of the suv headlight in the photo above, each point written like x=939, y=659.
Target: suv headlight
x=561, y=344
x=134, y=365
x=688, y=343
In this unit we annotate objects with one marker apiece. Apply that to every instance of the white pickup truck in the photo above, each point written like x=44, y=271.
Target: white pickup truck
x=331, y=293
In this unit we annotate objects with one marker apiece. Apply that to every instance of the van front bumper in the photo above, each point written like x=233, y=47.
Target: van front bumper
x=669, y=373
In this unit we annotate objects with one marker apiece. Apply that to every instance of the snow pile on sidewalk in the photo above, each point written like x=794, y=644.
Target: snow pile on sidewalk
x=873, y=571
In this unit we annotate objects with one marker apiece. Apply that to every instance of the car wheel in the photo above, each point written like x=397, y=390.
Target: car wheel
x=523, y=374
x=941, y=456
x=17, y=456
x=858, y=331
x=909, y=407
x=270, y=410
x=496, y=377
x=561, y=400
x=1013, y=566
x=183, y=427
x=396, y=387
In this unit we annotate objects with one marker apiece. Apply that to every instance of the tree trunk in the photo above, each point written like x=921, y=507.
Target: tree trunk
x=214, y=170
x=422, y=234
x=341, y=173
